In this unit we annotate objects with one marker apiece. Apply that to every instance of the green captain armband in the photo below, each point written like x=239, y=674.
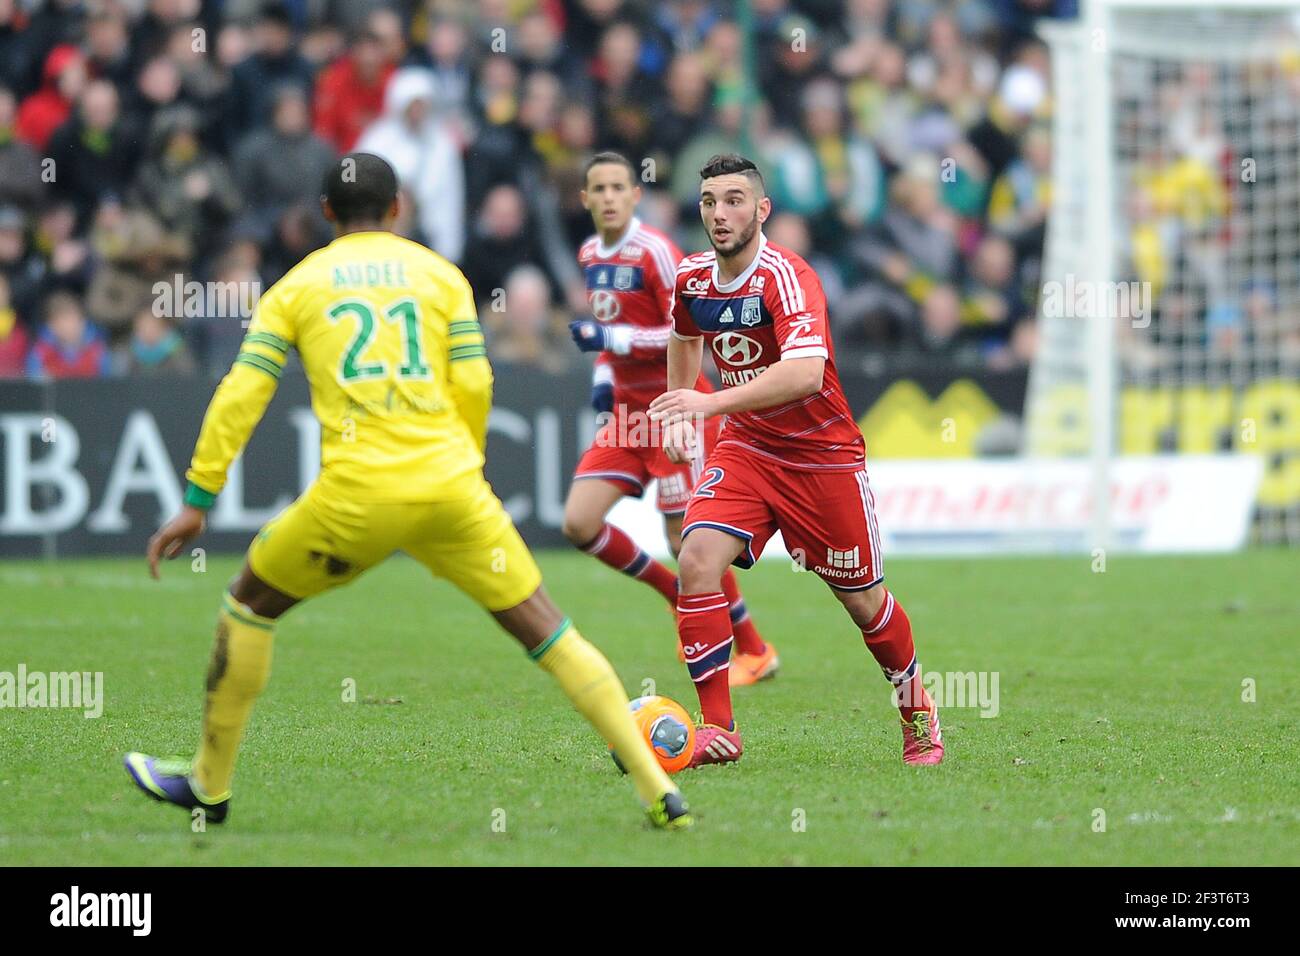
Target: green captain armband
x=196, y=497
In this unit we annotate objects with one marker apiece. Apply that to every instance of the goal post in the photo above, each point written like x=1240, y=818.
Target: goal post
x=1171, y=268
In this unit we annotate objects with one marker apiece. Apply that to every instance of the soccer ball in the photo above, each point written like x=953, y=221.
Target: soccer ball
x=667, y=728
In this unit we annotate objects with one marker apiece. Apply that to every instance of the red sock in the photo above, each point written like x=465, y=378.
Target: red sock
x=748, y=640
x=889, y=638
x=704, y=626
x=621, y=553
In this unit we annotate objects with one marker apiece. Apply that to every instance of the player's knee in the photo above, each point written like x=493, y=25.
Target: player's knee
x=698, y=571
x=579, y=529
x=258, y=596
x=674, y=542
x=862, y=605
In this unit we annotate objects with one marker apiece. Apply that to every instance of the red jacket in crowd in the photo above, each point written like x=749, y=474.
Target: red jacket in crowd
x=345, y=106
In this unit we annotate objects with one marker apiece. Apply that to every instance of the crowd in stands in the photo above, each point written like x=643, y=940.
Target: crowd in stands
x=152, y=143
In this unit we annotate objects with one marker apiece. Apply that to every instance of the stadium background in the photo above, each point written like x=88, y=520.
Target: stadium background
x=143, y=146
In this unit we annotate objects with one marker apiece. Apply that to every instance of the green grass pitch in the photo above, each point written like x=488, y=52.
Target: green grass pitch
x=1120, y=693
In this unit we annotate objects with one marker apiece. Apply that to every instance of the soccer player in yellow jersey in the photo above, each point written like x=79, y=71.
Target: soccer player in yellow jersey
x=390, y=341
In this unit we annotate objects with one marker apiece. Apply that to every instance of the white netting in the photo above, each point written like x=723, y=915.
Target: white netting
x=1204, y=173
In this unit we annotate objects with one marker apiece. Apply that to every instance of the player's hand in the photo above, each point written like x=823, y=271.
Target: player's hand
x=681, y=442
x=168, y=541
x=602, y=397
x=592, y=336
x=682, y=403
x=588, y=336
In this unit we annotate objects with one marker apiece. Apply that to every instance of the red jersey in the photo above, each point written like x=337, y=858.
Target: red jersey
x=630, y=285
x=774, y=310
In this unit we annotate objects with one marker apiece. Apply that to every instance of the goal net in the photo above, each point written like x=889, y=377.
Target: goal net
x=1170, y=314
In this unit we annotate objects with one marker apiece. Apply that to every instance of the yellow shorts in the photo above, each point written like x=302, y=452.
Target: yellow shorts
x=323, y=540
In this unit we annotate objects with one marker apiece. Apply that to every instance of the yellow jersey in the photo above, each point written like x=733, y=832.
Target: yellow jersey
x=389, y=338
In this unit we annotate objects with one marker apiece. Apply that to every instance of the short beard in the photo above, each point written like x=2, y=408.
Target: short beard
x=739, y=242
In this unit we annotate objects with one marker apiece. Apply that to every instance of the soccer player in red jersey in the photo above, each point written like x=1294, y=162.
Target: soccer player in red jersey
x=629, y=269
x=790, y=456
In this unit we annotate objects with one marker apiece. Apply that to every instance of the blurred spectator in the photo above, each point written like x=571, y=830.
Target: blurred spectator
x=883, y=106
x=912, y=248
x=1021, y=196
x=62, y=81
x=15, y=44
x=218, y=334
x=66, y=261
x=1021, y=94
x=20, y=165
x=540, y=46
x=939, y=329
x=137, y=253
x=424, y=153
x=683, y=24
x=13, y=337
x=189, y=189
x=626, y=96
x=274, y=61
x=385, y=24
x=157, y=87
x=991, y=301
x=499, y=243
x=155, y=348
x=682, y=111
x=95, y=152
x=69, y=345
x=22, y=269
x=446, y=55
x=281, y=165
x=299, y=230
x=108, y=46
x=794, y=57
x=846, y=174
x=350, y=92
x=527, y=330
x=203, y=80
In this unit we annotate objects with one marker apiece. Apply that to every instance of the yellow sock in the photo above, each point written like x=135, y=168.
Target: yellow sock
x=593, y=687
x=240, y=666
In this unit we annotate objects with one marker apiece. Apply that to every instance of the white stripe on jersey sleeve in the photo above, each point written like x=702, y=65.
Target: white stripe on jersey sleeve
x=792, y=293
x=806, y=351
x=659, y=252
x=782, y=283
x=788, y=268
x=655, y=337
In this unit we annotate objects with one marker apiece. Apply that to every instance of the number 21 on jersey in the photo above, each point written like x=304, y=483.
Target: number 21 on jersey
x=405, y=315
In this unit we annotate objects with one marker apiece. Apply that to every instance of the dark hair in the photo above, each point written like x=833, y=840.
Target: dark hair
x=360, y=188
x=722, y=164
x=609, y=156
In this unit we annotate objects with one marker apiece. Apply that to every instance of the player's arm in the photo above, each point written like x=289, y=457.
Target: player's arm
x=685, y=361
x=234, y=411
x=469, y=373
x=785, y=381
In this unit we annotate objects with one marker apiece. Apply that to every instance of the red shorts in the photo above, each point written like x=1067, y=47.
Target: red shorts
x=827, y=518
x=631, y=466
